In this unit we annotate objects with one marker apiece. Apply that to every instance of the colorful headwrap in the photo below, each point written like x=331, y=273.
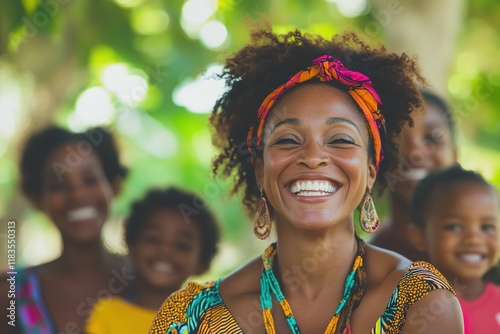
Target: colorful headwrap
x=326, y=68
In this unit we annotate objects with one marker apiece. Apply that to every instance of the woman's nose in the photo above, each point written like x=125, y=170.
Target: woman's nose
x=77, y=193
x=313, y=155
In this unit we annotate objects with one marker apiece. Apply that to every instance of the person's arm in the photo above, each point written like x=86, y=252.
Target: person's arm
x=437, y=313
x=5, y=304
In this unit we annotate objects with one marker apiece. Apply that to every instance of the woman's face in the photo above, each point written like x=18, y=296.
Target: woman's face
x=425, y=147
x=75, y=194
x=315, y=168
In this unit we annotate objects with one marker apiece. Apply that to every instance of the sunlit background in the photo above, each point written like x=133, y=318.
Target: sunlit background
x=146, y=69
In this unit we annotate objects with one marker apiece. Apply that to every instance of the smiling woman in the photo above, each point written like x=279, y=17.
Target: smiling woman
x=305, y=127
x=72, y=178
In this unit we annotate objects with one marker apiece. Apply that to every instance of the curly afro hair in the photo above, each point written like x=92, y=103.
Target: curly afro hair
x=43, y=143
x=441, y=179
x=269, y=60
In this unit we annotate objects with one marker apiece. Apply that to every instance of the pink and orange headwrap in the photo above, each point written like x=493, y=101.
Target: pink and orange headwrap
x=326, y=68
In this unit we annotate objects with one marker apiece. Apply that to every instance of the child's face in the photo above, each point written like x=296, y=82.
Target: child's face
x=425, y=147
x=462, y=230
x=167, y=250
x=75, y=194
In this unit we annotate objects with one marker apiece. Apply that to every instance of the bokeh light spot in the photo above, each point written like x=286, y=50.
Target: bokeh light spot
x=213, y=34
x=149, y=20
x=93, y=107
x=199, y=95
x=350, y=8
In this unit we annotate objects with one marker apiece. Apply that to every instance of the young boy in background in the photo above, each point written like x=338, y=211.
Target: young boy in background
x=166, y=245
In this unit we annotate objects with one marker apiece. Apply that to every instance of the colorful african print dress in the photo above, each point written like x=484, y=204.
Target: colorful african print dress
x=199, y=308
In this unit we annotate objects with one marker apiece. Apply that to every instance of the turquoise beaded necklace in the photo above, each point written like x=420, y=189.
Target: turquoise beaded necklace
x=269, y=286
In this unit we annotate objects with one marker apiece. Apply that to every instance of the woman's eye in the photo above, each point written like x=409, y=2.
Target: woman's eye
x=433, y=140
x=341, y=140
x=436, y=137
x=91, y=180
x=286, y=141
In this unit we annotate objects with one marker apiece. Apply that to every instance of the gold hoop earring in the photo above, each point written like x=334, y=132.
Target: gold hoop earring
x=368, y=217
x=262, y=221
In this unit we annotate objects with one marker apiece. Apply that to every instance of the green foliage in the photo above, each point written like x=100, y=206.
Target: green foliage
x=149, y=39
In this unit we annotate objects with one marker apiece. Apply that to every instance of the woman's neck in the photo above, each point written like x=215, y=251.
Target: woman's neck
x=85, y=260
x=310, y=265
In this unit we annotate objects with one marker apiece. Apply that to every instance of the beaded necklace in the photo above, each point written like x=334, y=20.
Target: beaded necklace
x=269, y=286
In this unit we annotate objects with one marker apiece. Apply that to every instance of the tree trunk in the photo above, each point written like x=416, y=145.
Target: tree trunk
x=425, y=28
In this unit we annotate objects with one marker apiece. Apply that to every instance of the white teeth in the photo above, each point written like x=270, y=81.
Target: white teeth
x=312, y=193
x=164, y=267
x=417, y=174
x=471, y=257
x=312, y=188
x=88, y=212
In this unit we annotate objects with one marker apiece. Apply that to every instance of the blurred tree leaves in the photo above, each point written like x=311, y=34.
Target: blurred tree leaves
x=57, y=49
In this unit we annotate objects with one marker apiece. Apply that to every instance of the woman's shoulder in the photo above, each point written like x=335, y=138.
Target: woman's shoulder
x=243, y=281
x=417, y=293
x=412, y=279
x=430, y=302
x=384, y=267
x=185, y=308
x=182, y=298
x=188, y=303
x=28, y=281
x=421, y=278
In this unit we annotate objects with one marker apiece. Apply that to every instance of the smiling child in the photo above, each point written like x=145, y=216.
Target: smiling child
x=456, y=221
x=170, y=236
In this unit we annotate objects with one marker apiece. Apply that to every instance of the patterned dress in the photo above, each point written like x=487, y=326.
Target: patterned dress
x=33, y=316
x=199, y=308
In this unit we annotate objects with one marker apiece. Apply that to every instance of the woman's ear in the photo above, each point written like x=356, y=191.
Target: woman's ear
x=372, y=175
x=258, y=168
x=416, y=235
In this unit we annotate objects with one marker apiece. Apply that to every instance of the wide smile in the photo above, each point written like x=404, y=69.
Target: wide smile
x=472, y=258
x=416, y=174
x=82, y=214
x=313, y=188
x=163, y=267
